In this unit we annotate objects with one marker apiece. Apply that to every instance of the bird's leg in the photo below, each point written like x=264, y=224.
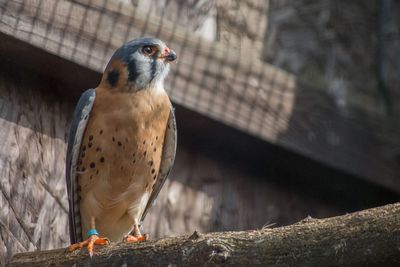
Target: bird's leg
x=135, y=235
x=91, y=241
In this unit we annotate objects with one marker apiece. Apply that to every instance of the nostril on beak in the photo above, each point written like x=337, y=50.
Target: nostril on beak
x=171, y=56
x=166, y=50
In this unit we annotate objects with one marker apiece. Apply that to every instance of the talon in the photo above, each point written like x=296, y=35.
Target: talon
x=131, y=238
x=89, y=243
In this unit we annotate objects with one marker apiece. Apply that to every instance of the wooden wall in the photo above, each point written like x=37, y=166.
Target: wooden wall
x=33, y=204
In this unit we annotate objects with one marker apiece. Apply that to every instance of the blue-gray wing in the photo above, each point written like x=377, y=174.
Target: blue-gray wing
x=76, y=132
x=167, y=159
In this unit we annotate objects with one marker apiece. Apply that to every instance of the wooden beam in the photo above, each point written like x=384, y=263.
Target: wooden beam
x=366, y=238
x=216, y=81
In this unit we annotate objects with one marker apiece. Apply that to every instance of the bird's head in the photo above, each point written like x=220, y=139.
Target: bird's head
x=139, y=64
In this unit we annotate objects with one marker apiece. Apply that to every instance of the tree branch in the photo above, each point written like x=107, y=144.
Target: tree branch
x=366, y=238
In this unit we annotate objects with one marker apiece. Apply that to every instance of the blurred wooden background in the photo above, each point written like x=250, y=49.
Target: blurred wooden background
x=297, y=117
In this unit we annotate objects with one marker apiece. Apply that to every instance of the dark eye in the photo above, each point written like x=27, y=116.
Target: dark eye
x=148, y=50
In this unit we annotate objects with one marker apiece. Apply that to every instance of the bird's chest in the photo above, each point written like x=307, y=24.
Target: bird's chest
x=122, y=145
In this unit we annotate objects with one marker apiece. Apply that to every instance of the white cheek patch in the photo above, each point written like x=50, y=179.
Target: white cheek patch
x=149, y=73
x=142, y=70
x=158, y=81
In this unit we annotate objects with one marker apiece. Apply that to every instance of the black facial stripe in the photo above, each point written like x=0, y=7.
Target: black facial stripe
x=153, y=69
x=132, y=71
x=112, y=77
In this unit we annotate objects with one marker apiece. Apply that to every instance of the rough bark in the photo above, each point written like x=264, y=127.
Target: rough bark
x=366, y=238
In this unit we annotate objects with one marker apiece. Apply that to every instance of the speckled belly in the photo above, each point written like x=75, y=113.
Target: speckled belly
x=119, y=162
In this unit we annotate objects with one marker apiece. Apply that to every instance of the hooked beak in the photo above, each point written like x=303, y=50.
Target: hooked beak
x=169, y=55
x=172, y=56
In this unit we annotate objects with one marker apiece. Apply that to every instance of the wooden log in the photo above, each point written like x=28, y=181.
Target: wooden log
x=216, y=81
x=366, y=238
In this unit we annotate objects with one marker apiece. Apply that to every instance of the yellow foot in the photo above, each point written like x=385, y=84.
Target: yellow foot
x=131, y=238
x=89, y=243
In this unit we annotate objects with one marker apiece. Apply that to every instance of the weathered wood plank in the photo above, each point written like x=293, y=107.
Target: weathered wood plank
x=33, y=203
x=366, y=238
x=242, y=25
x=388, y=54
x=216, y=81
x=197, y=16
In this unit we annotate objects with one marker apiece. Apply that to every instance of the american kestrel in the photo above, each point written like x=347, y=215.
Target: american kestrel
x=121, y=146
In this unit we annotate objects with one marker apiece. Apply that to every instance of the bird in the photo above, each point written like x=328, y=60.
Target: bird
x=121, y=146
